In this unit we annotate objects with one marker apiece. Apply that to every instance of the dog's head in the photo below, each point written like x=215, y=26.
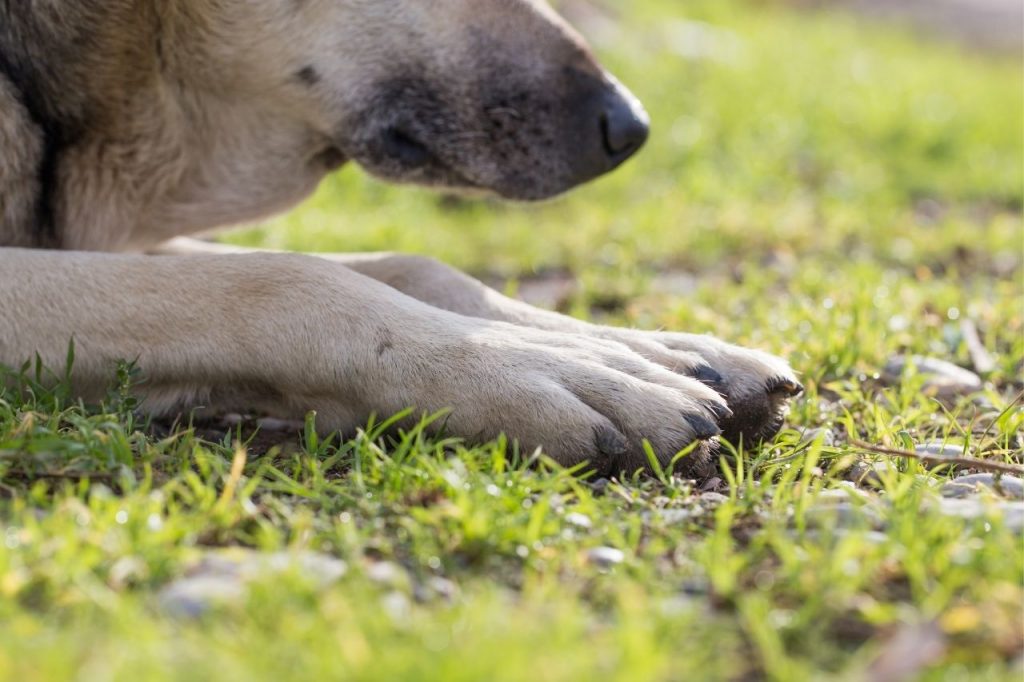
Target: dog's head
x=497, y=95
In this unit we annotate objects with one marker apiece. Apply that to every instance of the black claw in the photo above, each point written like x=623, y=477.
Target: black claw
x=784, y=385
x=610, y=442
x=706, y=374
x=721, y=411
x=703, y=428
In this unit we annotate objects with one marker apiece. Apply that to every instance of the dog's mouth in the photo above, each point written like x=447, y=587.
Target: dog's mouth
x=398, y=154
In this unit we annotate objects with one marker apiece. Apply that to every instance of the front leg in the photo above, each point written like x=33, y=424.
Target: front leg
x=287, y=334
x=757, y=385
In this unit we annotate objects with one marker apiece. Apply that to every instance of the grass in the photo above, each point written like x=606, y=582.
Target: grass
x=829, y=190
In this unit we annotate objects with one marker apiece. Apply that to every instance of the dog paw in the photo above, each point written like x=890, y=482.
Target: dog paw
x=577, y=398
x=757, y=386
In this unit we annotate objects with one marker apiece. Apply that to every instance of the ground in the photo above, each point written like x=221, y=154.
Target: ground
x=838, y=192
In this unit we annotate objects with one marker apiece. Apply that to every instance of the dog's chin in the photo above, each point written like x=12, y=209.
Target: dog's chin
x=449, y=179
x=433, y=176
x=398, y=156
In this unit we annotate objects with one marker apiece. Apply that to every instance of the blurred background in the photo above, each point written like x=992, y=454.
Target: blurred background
x=834, y=180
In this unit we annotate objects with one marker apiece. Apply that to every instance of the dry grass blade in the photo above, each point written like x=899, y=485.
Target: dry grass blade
x=980, y=357
x=974, y=463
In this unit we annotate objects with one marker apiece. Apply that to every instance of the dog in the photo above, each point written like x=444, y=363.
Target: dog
x=127, y=125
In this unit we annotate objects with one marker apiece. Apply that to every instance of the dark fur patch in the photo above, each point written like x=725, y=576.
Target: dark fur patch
x=44, y=222
x=307, y=75
x=331, y=158
x=386, y=343
x=74, y=65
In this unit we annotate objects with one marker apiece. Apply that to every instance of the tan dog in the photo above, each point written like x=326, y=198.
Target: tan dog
x=128, y=123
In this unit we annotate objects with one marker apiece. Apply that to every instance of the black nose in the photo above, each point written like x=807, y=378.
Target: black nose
x=604, y=126
x=612, y=127
x=624, y=126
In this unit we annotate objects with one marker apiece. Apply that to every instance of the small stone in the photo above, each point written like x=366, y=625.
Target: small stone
x=387, y=573
x=397, y=605
x=671, y=516
x=836, y=494
x=942, y=379
x=713, y=484
x=875, y=537
x=232, y=419
x=605, y=557
x=275, y=425
x=194, y=596
x=940, y=448
x=844, y=515
x=578, y=520
x=223, y=576
x=1012, y=513
x=868, y=474
x=677, y=604
x=713, y=499
x=1009, y=487
x=443, y=588
x=828, y=439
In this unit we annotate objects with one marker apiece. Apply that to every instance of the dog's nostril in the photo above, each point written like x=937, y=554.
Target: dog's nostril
x=405, y=148
x=624, y=128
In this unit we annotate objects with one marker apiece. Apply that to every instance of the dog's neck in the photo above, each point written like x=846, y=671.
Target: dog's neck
x=51, y=97
x=115, y=135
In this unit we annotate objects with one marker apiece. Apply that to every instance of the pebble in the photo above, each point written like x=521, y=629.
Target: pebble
x=223, y=576
x=678, y=515
x=434, y=588
x=1012, y=513
x=940, y=448
x=605, y=557
x=397, y=605
x=193, y=596
x=713, y=499
x=713, y=484
x=276, y=425
x=267, y=424
x=232, y=419
x=578, y=520
x=837, y=494
x=942, y=379
x=443, y=588
x=828, y=439
x=845, y=514
x=867, y=474
x=387, y=573
x=967, y=486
